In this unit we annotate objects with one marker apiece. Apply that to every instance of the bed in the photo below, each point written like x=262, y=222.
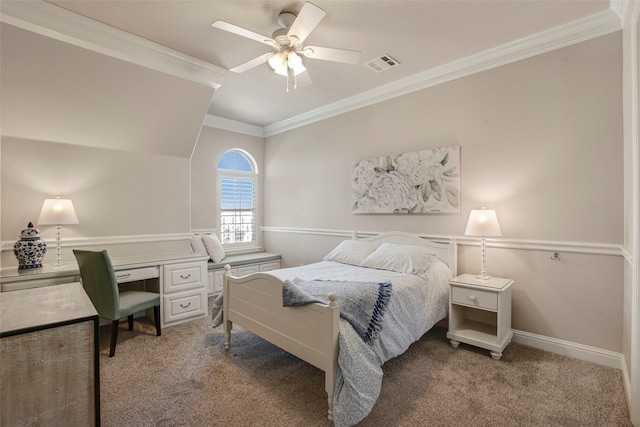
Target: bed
x=418, y=271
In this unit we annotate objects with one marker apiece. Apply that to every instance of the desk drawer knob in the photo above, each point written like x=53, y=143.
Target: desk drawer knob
x=185, y=305
x=472, y=298
x=185, y=276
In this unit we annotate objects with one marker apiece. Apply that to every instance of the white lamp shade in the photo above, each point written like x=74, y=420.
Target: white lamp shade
x=57, y=212
x=483, y=223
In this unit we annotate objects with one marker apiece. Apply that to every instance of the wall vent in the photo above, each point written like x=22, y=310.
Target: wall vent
x=382, y=63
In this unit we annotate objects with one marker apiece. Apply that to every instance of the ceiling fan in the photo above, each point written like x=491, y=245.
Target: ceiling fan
x=288, y=44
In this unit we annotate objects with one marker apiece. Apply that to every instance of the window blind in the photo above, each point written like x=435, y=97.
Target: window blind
x=237, y=210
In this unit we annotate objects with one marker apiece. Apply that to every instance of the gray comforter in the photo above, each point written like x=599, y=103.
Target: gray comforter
x=418, y=302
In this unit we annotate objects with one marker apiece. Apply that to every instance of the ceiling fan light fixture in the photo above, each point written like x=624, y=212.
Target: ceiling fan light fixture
x=279, y=63
x=294, y=60
x=282, y=62
x=298, y=69
x=288, y=42
x=281, y=72
x=295, y=63
x=294, y=71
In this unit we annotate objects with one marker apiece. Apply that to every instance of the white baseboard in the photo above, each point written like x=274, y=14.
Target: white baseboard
x=570, y=349
x=626, y=379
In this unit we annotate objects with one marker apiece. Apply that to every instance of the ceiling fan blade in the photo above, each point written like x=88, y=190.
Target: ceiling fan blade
x=331, y=54
x=310, y=15
x=243, y=32
x=252, y=63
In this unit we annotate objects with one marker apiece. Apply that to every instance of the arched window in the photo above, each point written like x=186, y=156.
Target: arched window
x=238, y=182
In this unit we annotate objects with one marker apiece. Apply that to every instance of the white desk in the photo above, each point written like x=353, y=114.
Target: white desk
x=181, y=280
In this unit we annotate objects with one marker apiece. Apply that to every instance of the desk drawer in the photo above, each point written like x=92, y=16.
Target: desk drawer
x=474, y=298
x=135, y=274
x=179, y=277
x=38, y=283
x=184, y=305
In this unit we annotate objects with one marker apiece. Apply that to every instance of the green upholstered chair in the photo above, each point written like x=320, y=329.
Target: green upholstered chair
x=99, y=282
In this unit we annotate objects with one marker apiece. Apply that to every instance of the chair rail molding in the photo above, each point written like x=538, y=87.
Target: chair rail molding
x=521, y=244
x=76, y=242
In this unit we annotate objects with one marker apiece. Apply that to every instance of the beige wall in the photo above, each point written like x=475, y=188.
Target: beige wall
x=57, y=92
x=114, y=137
x=115, y=193
x=541, y=142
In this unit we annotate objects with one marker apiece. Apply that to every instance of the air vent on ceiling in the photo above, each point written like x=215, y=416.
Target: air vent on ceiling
x=382, y=63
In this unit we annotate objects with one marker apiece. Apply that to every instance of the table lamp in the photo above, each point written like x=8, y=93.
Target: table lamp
x=57, y=212
x=483, y=223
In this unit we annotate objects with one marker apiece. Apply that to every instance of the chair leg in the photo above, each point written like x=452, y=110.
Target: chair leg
x=156, y=317
x=114, y=337
x=130, y=320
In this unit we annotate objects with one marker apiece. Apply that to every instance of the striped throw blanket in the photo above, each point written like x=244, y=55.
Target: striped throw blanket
x=362, y=304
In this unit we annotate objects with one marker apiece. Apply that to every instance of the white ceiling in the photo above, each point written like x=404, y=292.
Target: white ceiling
x=420, y=34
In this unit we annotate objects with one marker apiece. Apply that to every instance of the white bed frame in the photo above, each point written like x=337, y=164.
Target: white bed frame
x=309, y=332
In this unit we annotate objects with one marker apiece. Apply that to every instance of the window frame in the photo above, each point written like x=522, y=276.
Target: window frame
x=239, y=174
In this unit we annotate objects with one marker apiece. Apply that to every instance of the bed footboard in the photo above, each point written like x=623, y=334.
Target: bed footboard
x=309, y=332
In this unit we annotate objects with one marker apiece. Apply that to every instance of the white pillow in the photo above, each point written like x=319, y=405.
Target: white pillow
x=407, y=259
x=351, y=252
x=197, y=246
x=214, y=247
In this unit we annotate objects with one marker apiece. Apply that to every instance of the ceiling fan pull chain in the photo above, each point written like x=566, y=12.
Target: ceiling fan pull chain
x=288, y=80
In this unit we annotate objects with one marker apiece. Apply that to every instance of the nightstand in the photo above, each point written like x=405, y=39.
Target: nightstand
x=480, y=313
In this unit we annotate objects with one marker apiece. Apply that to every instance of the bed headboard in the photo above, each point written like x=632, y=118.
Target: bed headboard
x=447, y=252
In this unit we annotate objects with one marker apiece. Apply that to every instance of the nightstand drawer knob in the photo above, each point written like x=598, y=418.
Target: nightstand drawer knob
x=472, y=298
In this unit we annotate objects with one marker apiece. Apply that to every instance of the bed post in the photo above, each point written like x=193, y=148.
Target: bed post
x=227, y=324
x=330, y=372
x=453, y=256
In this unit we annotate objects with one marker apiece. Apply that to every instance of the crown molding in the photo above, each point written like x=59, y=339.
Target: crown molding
x=57, y=23
x=60, y=24
x=618, y=7
x=577, y=31
x=622, y=8
x=233, y=126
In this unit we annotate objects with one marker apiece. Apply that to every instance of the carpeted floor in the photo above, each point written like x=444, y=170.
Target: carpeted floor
x=185, y=378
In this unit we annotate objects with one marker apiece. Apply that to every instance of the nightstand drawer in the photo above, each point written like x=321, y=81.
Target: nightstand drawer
x=474, y=298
